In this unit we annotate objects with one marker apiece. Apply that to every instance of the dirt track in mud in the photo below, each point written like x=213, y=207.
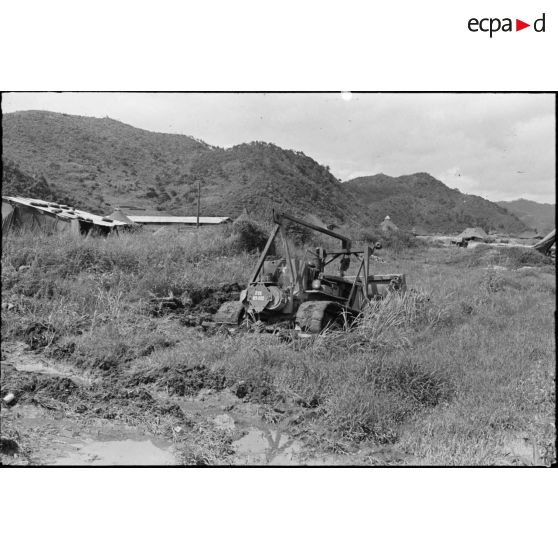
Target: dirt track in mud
x=62, y=416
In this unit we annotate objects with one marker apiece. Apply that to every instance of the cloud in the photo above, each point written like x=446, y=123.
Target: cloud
x=474, y=142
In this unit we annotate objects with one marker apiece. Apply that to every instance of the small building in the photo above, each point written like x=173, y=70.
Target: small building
x=20, y=213
x=473, y=233
x=387, y=225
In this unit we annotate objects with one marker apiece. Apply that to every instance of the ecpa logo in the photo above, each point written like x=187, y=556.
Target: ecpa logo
x=492, y=25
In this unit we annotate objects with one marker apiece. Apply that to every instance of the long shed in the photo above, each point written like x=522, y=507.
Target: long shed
x=158, y=222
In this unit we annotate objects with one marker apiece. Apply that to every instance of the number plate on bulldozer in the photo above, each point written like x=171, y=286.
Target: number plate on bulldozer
x=258, y=297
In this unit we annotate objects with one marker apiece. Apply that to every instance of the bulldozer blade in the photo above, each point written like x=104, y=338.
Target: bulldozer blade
x=230, y=313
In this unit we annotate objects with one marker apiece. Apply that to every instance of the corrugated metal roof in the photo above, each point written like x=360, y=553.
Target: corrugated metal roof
x=63, y=211
x=117, y=215
x=173, y=220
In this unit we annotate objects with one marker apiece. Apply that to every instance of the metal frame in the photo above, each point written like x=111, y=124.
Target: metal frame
x=279, y=219
x=365, y=267
x=264, y=253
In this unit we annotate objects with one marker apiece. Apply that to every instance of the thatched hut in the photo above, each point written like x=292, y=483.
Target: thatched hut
x=474, y=233
x=387, y=225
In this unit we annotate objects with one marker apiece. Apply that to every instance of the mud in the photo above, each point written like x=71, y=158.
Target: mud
x=18, y=357
x=209, y=299
x=180, y=380
x=37, y=380
x=117, y=452
x=195, y=306
x=267, y=447
x=65, y=416
x=39, y=335
x=47, y=438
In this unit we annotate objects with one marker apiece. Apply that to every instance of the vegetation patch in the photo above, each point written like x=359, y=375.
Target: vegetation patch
x=250, y=235
x=444, y=373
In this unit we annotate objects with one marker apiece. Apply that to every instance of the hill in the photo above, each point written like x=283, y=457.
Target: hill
x=260, y=176
x=420, y=200
x=100, y=163
x=104, y=163
x=538, y=216
x=15, y=182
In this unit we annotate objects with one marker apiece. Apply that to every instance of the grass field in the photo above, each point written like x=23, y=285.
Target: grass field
x=459, y=371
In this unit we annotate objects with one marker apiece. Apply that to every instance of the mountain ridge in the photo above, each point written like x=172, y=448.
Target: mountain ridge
x=102, y=163
x=420, y=200
x=539, y=216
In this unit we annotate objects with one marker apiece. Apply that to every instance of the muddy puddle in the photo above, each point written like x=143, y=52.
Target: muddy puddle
x=255, y=443
x=116, y=452
x=267, y=447
x=56, y=439
x=46, y=431
x=276, y=448
x=21, y=359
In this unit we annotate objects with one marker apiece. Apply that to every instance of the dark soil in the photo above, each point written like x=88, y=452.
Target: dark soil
x=180, y=380
x=209, y=299
x=39, y=335
x=106, y=399
x=8, y=447
x=257, y=390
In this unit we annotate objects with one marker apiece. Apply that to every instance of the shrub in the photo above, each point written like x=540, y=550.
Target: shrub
x=249, y=235
x=300, y=235
x=519, y=257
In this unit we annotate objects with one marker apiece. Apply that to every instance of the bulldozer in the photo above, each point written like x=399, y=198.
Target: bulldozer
x=306, y=293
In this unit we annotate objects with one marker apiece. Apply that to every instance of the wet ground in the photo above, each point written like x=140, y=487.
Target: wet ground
x=117, y=452
x=60, y=416
x=51, y=438
x=273, y=447
x=54, y=419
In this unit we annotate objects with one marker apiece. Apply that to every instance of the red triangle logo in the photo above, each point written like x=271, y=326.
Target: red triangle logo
x=519, y=25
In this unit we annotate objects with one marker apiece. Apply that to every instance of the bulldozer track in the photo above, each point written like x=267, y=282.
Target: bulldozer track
x=314, y=316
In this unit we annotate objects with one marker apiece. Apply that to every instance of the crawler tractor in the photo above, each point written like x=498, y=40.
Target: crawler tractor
x=306, y=293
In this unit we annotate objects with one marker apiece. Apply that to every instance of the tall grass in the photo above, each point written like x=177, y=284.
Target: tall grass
x=449, y=372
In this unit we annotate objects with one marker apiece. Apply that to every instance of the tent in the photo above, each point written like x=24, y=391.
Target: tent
x=18, y=216
x=387, y=225
x=48, y=217
x=474, y=233
x=7, y=216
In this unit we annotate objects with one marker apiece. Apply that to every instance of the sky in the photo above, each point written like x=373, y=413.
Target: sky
x=498, y=146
